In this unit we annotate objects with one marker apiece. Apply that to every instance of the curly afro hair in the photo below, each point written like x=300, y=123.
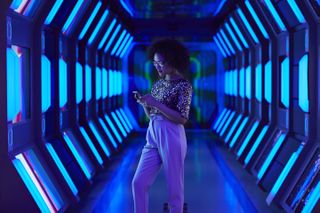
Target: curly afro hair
x=175, y=54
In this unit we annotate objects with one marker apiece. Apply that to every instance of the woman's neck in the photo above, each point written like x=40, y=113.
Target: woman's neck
x=173, y=76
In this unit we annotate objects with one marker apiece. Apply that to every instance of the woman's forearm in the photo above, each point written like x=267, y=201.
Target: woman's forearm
x=146, y=110
x=171, y=114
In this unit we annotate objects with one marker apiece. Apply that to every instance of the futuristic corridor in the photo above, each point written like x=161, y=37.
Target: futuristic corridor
x=71, y=131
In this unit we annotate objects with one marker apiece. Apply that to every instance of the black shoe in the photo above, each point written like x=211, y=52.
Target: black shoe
x=185, y=208
x=165, y=208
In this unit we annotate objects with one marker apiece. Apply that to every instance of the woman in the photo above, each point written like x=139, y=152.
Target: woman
x=168, y=108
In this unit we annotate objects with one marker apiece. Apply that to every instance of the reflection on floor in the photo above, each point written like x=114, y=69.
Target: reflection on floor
x=214, y=181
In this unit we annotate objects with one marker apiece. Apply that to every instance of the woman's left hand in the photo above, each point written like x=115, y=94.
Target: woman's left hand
x=149, y=100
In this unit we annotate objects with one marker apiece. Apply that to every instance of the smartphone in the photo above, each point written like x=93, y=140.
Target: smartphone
x=136, y=94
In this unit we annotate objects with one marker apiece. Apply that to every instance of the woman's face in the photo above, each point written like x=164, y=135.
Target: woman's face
x=161, y=65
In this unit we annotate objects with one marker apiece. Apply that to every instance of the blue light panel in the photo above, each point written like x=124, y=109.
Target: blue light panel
x=275, y=15
x=119, y=124
x=123, y=121
x=248, y=82
x=223, y=120
x=71, y=17
x=219, y=46
x=234, y=38
x=88, y=83
x=62, y=169
x=45, y=83
x=125, y=40
x=126, y=118
x=114, y=130
x=78, y=157
x=248, y=26
x=126, y=47
x=259, y=82
x=303, y=84
x=223, y=44
x=227, y=41
x=257, y=20
x=219, y=118
x=112, y=38
x=13, y=85
x=108, y=133
x=79, y=83
x=114, y=49
x=98, y=83
x=241, y=82
x=107, y=33
x=235, y=137
x=99, y=139
x=239, y=33
x=271, y=155
x=285, y=82
x=104, y=83
x=63, y=83
x=256, y=144
x=235, y=124
x=296, y=10
x=268, y=82
x=91, y=146
x=247, y=139
x=235, y=82
x=98, y=27
x=312, y=200
x=89, y=22
x=53, y=12
x=283, y=175
x=227, y=123
x=111, y=82
x=30, y=181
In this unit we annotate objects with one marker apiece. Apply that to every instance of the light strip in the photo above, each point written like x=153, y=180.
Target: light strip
x=107, y=33
x=239, y=33
x=248, y=26
x=35, y=181
x=63, y=83
x=123, y=121
x=283, y=175
x=219, y=46
x=223, y=120
x=125, y=40
x=106, y=130
x=235, y=82
x=259, y=82
x=257, y=20
x=296, y=10
x=235, y=124
x=126, y=7
x=242, y=82
x=247, y=139
x=223, y=44
x=219, y=118
x=91, y=146
x=53, y=12
x=88, y=83
x=235, y=137
x=104, y=83
x=98, y=27
x=114, y=130
x=248, y=82
x=79, y=83
x=126, y=118
x=312, y=200
x=275, y=15
x=99, y=139
x=227, y=41
x=118, y=42
x=256, y=144
x=303, y=83
x=112, y=38
x=98, y=83
x=89, y=22
x=77, y=156
x=71, y=16
x=271, y=155
x=126, y=47
x=285, y=82
x=268, y=82
x=62, y=169
x=234, y=38
x=119, y=124
x=227, y=123
x=45, y=83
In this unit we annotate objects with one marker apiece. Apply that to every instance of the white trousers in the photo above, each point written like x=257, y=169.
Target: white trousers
x=166, y=145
